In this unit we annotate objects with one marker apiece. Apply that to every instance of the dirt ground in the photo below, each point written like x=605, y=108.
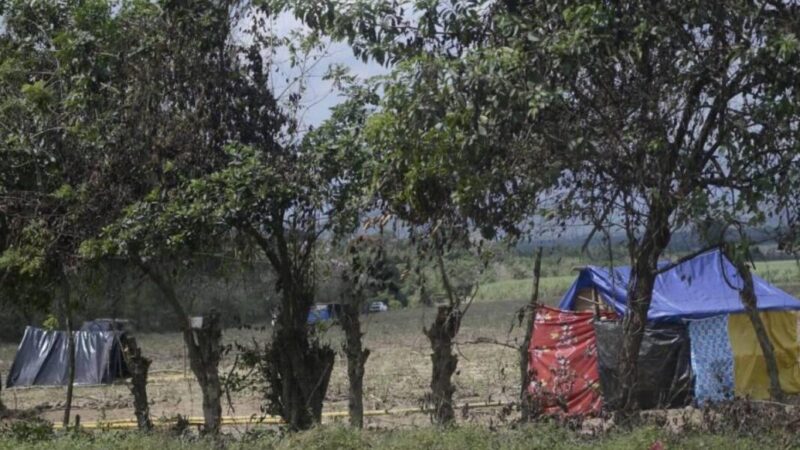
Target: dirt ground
x=397, y=371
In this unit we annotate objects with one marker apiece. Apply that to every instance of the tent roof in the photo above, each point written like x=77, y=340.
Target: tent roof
x=703, y=286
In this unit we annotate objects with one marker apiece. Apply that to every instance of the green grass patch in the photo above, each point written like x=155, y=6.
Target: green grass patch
x=550, y=288
x=540, y=436
x=779, y=272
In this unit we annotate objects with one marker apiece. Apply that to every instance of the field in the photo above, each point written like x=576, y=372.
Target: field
x=397, y=372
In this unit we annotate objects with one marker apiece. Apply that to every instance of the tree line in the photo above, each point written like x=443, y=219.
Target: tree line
x=149, y=133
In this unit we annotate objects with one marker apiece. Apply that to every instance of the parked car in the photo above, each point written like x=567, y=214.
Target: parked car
x=378, y=307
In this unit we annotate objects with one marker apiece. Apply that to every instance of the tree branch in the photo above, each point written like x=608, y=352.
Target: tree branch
x=169, y=292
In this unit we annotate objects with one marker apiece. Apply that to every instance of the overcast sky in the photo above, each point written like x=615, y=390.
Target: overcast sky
x=320, y=95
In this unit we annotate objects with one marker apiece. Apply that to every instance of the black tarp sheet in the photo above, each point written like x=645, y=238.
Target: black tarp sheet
x=664, y=372
x=41, y=358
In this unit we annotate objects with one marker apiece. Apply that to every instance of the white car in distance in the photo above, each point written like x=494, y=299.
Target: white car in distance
x=375, y=307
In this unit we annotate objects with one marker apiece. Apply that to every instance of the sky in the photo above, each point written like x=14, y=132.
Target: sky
x=320, y=96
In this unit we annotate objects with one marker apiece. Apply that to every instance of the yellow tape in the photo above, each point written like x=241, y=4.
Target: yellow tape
x=123, y=424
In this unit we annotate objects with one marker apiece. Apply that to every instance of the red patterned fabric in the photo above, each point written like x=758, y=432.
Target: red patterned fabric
x=563, y=363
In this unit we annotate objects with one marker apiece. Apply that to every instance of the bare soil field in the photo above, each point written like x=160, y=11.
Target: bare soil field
x=397, y=371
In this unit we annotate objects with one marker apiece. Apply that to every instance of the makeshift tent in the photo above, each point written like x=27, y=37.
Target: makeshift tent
x=704, y=286
x=41, y=358
x=703, y=293
x=563, y=363
x=665, y=371
x=105, y=325
x=712, y=358
x=750, y=368
x=574, y=358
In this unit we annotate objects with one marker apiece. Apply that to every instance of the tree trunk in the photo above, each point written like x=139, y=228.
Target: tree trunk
x=441, y=334
x=301, y=367
x=70, y=353
x=748, y=296
x=639, y=296
x=2, y=405
x=204, y=345
x=356, y=358
x=298, y=368
x=524, y=349
x=640, y=293
x=139, y=367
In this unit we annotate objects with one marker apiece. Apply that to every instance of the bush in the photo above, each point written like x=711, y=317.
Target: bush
x=29, y=430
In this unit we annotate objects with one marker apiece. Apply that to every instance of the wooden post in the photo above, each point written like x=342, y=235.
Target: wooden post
x=524, y=360
x=65, y=307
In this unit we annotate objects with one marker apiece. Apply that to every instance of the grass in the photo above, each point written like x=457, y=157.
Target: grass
x=550, y=289
x=538, y=436
x=779, y=272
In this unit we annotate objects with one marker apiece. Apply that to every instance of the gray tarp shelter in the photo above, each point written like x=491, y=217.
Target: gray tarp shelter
x=41, y=358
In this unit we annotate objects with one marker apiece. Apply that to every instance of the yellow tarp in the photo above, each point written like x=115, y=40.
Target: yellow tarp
x=749, y=367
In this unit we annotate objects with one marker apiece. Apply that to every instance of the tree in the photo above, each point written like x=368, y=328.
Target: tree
x=444, y=162
x=688, y=119
x=365, y=273
x=139, y=367
x=190, y=89
x=282, y=197
x=650, y=114
x=230, y=168
x=58, y=120
x=439, y=177
x=285, y=202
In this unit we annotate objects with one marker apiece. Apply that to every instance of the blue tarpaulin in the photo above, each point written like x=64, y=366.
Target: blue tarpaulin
x=318, y=315
x=696, y=288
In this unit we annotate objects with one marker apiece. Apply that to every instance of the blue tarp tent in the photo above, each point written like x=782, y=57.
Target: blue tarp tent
x=701, y=287
x=324, y=312
x=318, y=314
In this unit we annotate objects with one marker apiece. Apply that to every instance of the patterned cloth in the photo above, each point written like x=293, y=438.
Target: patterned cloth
x=563, y=363
x=712, y=359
